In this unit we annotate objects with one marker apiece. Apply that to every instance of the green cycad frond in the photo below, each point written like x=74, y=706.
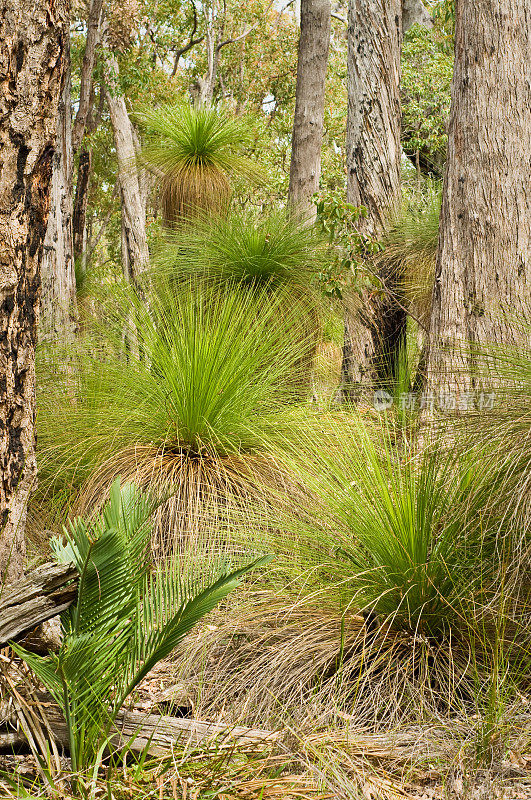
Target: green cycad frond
x=125, y=619
x=195, y=152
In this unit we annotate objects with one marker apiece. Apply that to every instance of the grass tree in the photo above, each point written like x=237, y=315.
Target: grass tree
x=272, y=252
x=195, y=152
x=188, y=414
x=385, y=584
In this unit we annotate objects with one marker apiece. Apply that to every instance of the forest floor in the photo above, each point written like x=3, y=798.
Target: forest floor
x=339, y=763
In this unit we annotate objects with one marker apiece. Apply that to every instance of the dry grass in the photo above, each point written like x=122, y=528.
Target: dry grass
x=196, y=495
x=270, y=659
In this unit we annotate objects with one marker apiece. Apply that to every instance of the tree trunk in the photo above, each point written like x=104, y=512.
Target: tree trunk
x=415, y=13
x=135, y=252
x=33, y=47
x=483, y=270
x=80, y=202
x=374, y=326
x=305, y=168
x=87, y=72
x=58, y=317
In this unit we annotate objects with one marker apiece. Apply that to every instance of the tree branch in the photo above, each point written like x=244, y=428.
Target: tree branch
x=191, y=43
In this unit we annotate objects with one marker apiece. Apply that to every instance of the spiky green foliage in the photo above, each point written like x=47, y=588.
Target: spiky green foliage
x=180, y=396
x=391, y=532
x=271, y=250
x=125, y=620
x=194, y=152
x=410, y=249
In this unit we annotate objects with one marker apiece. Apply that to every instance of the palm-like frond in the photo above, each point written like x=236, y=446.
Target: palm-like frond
x=195, y=152
x=125, y=619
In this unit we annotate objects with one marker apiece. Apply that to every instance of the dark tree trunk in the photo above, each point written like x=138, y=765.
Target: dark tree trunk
x=81, y=201
x=33, y=48
x=305, y=168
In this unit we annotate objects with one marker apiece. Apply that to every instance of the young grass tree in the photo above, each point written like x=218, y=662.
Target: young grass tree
x=395, y=533
x=195, y=152
x=126, y=619
x=273, y=252
x=188, y=415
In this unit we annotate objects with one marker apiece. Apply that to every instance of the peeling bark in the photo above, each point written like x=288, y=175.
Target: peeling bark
x=483, y=270
x=33, y=41
x=58, y=317
x=305, y=168
x=135, y=253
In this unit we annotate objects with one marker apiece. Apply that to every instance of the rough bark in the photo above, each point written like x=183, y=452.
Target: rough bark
x=80, y=202
x=58, y=316
x=483, y=270
x=39, y=596
x=373, y=174
x=307, y=137
x=33, y=39
x=87, y=72
x=135, y=253
x=373, y=121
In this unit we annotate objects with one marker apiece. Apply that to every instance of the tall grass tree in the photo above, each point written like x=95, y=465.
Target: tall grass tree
x=195, y=152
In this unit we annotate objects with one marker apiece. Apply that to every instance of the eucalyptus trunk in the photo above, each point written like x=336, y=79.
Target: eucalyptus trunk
x=483, y=270
x=307, y=137
x=135, y=253
x=58, y=317
x=33, y=53
x=374, y=323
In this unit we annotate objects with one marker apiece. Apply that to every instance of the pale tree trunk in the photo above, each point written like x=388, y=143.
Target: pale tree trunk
x=83, y=121
x=483, y=271
x=372, y=325
x=307, y=137
x=415, y=13
x=135, y=252
x=58, y=316
x=33, y=48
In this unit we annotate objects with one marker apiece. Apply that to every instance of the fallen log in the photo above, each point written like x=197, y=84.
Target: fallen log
x=159, y=733
x=40, y=595
x=152, y=732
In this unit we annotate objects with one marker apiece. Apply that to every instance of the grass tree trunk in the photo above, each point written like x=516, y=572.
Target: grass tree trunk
x=373, y=172
x=33, y=49
x=135, y=252
x=58, y=314
x=305, y=168
x=483, y=271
